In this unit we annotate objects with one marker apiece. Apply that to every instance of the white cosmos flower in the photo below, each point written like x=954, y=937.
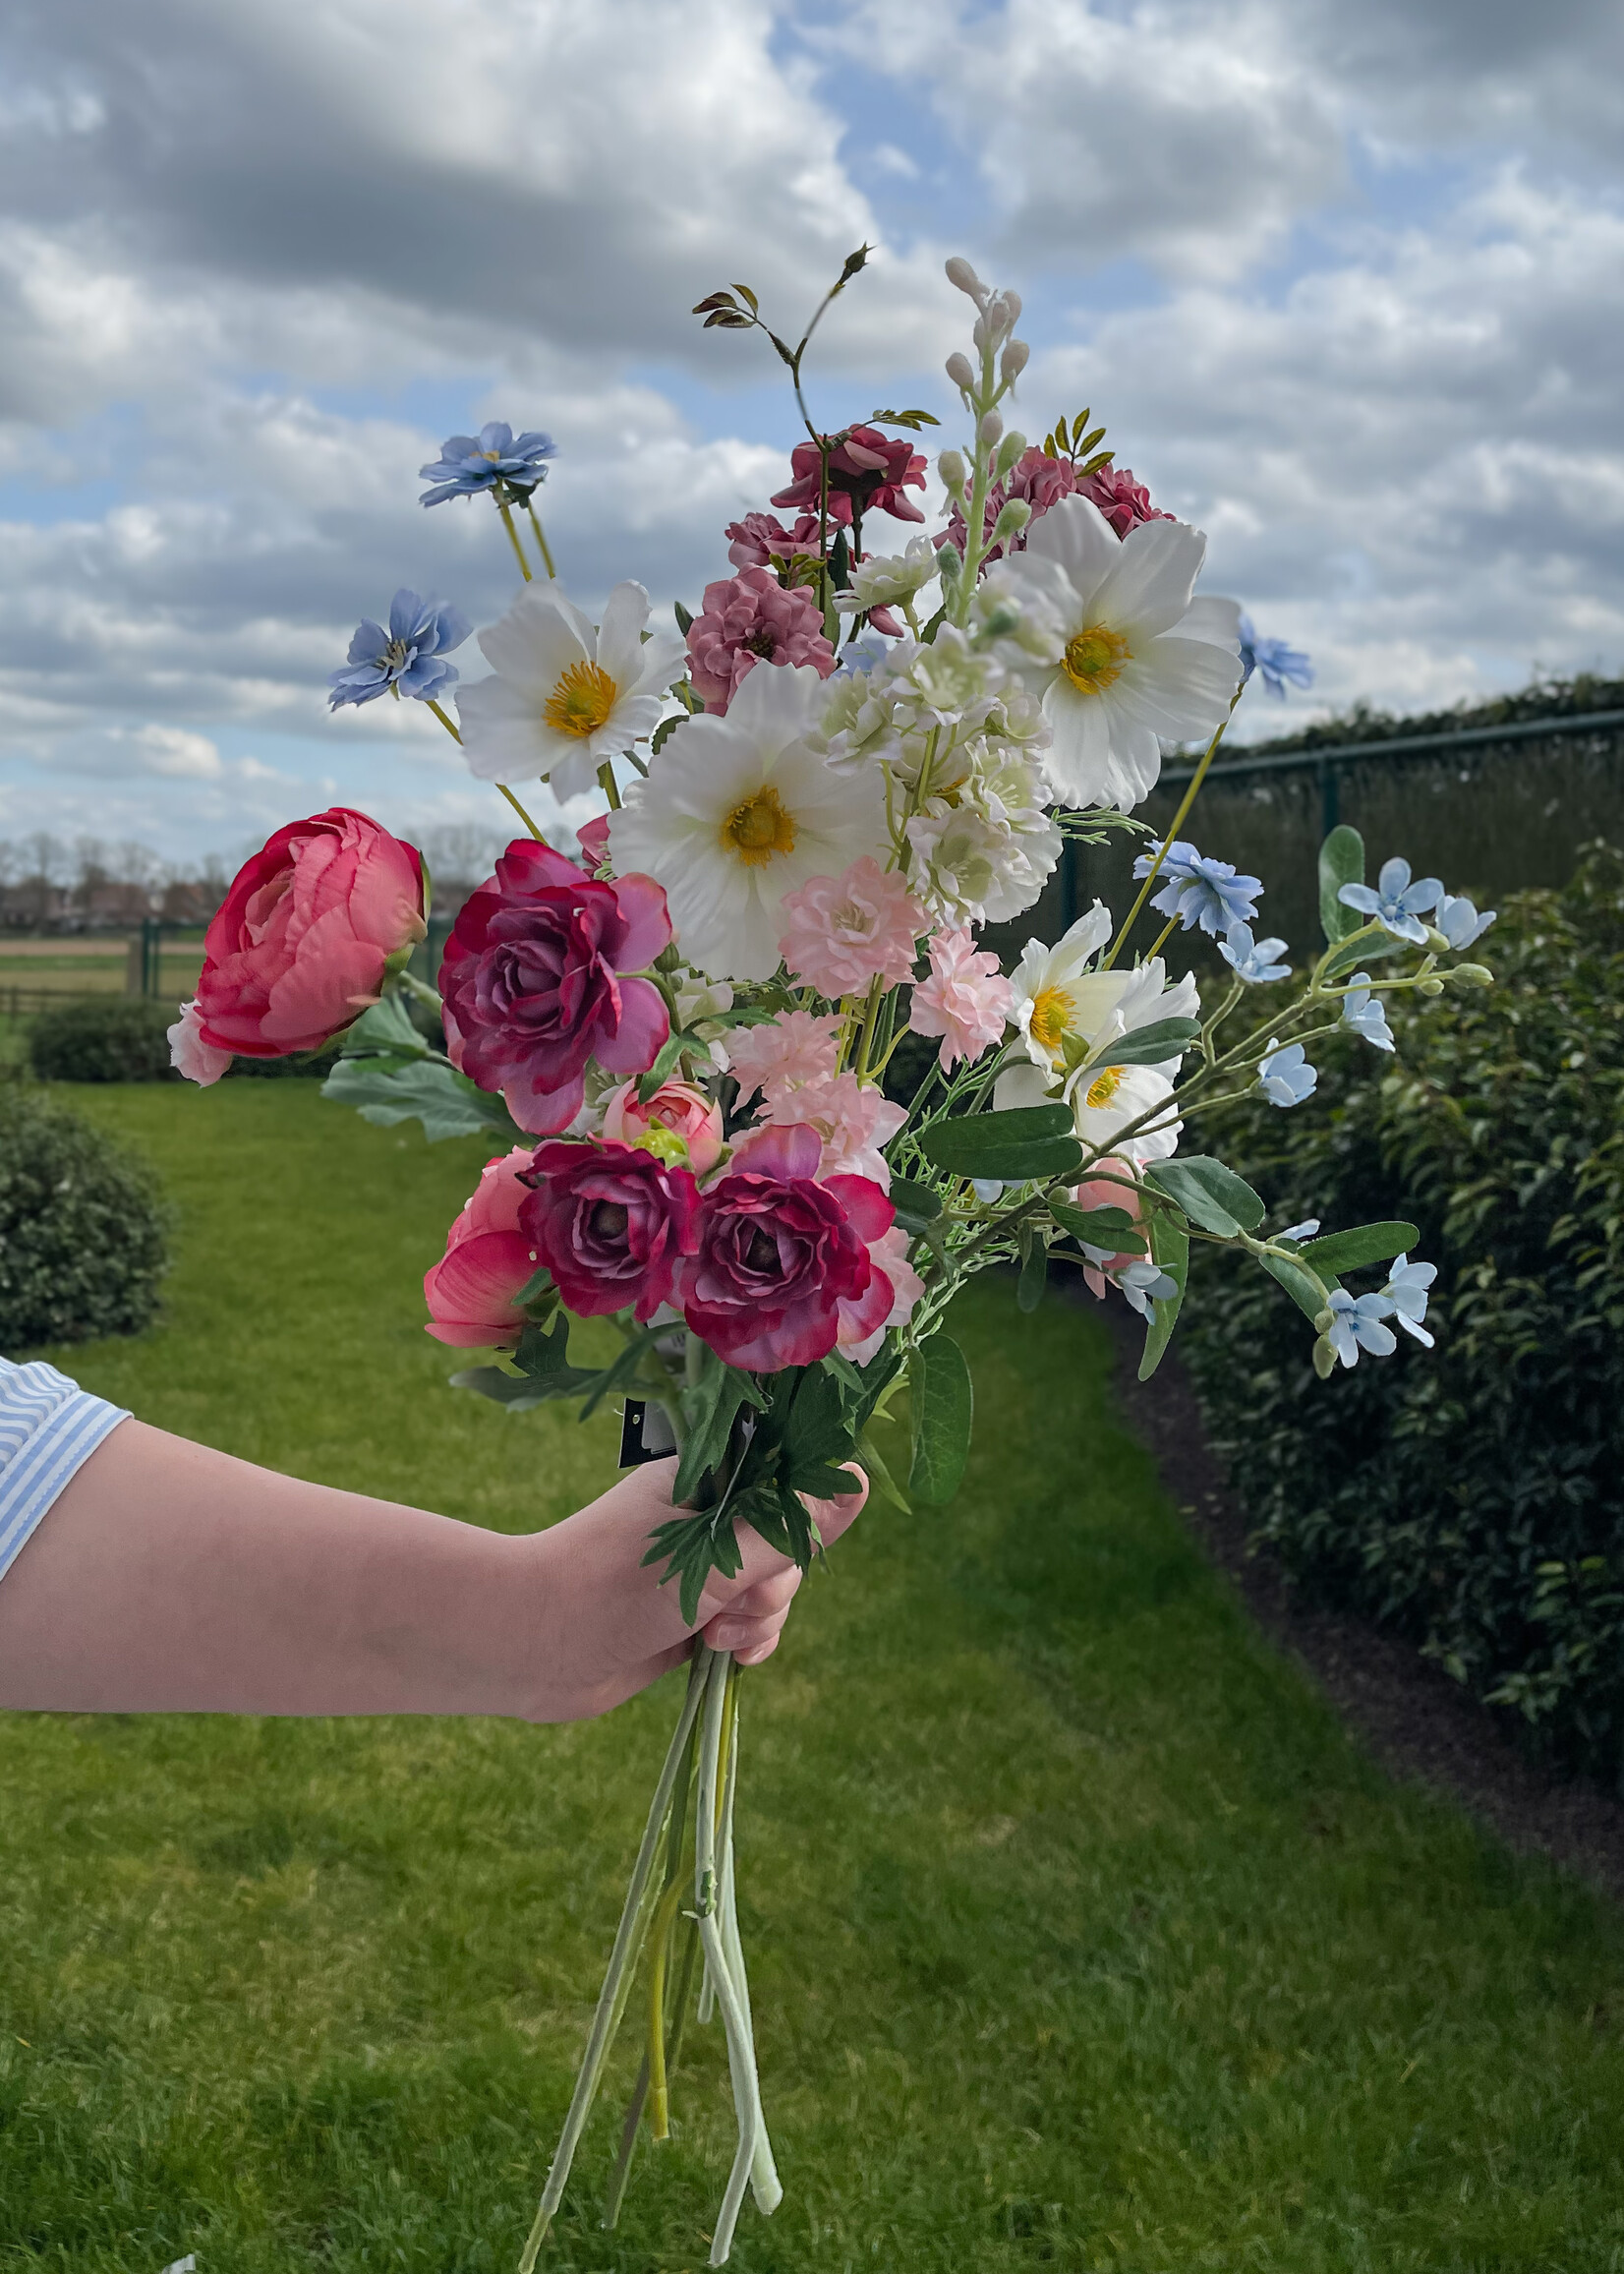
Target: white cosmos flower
x=565, y=695
x=738, y=811
x=1057, y=999
x=1104, y=1100
x=1105, y=630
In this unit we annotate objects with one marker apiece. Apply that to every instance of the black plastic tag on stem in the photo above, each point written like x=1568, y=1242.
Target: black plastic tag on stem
x=646, y=1434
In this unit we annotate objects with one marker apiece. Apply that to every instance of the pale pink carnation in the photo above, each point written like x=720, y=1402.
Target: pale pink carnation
x=853, y=1119
x=966, y=1000
x=888, y=1255
x=760, y=538
x=847, y=930
x=795, y=1048
x=749, y=619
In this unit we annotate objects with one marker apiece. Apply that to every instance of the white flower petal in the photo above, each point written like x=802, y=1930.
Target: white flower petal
x=1179, y=688
x=504, y=737
x=1078, y=760
x=619, y=644
x=540, y=637
x=1150, y=587
x=1209, y=618
x=1077, y=538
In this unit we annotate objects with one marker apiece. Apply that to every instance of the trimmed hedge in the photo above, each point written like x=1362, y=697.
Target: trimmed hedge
x=1469, y=1496
x=82, y=1229
x=107, y=1038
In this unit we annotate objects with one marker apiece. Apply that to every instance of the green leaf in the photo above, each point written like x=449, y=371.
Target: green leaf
x=545, y=1371
x=916, y=1205
x=1109, y=1228
x=1170, y=1248
x=1351, y=1251
x=1149, y=1045
x=1299, y=1282
x=1356, y=952
x=386, y=1029
x=817, y=1437
x=1029, y=1141
x=670, y=1051
x=1210, y=1194
x=873, y=1462
x=696, y=1545
x=944, y=1406
x=1034, y=1268
x=620, y=1373
x=664, y=732
x=389, y=1090
x=1340, y=861
x=710, y=1406
x=684, y=617
x=913, y=419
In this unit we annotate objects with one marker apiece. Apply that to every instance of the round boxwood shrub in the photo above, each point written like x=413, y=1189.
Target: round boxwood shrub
x=82, y=1229
x=109, y=1039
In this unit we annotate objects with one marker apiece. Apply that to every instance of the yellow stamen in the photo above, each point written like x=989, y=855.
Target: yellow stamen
x=581, y=700
x=1094, y=659
x=1104, y=1086
x=1052, y=1008
x=759, y=829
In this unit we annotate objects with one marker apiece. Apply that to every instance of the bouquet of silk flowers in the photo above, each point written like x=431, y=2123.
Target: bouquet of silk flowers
x=681, y=1034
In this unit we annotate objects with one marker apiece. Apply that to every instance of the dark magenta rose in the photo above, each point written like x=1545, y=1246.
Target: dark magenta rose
x=868, y=473
x=610, y=1223
x=536, y=981
x=781, y=1262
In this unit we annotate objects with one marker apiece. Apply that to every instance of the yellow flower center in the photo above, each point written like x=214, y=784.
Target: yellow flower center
x=1052, y=1007
x=581, y=700
x=1094, y=659
x=1104, y=1086
x=759, y=829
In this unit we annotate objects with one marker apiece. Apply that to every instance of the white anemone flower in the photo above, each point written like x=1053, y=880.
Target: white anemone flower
x=567, y=694
x=1107, y=631
x=1105, y=1100
x=739, y=811
x=1059, y=1001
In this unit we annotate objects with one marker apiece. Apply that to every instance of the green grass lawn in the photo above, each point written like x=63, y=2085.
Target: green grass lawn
x=1082, y=1937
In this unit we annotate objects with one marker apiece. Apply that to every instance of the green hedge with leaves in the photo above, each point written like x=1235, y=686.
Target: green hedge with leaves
x=1471, y=1496
x=82, y=1229
x=107, y=1038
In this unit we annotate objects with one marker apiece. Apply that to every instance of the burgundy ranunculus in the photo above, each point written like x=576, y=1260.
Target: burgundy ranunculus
x=783, y=1262
x=1124, y=503
x=749, y=619
x=609, y=1222
x=867, y=473
x=535, y=981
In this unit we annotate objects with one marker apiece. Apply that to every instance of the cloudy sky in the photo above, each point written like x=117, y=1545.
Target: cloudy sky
x=1347, y=285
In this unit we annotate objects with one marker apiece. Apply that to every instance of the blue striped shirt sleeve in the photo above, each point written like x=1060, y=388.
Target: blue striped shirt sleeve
x=48, y=1427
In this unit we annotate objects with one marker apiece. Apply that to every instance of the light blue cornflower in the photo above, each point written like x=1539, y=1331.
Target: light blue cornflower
x=1252, y=959
x=470, y=463
x=410, y=657
x=1396, y=904
x=1460, y=922
x=1356, y=1324
x=1406, y=1290
x=1365, y=1013
x=1274, y=660
x=1304, y=1230
x=1145, y=1283
x=1198, y=889
x=1285, y=1076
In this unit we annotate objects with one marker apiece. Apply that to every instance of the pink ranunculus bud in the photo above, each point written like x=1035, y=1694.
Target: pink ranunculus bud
x=847, y=930
x=749, y=619
x=760, y=538
x=611, y=1223
x=1103, y=1190
x=796, y=1047
x=868, y=473
x=1124, y=503
x=470, y=1292
x=304, y=938
x=593, y=841
x=783, y=1262
x=190, y=1055
x=676, y=1106
x=853, y=1119
x=966, y=1000
x=537, y=980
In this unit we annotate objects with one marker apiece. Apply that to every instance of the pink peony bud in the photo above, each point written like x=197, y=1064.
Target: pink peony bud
x=676, y=1106
x=470, y=1291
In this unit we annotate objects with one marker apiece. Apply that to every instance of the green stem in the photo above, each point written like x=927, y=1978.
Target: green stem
x=541, y=538
x=608, y=785
x=455, y=732
x=1178, y=820
x=512, y=536
x=707, y=1892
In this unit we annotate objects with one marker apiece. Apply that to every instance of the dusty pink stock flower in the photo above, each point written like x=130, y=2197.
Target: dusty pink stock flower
x=749, y=619
x=676, y=1106
x=847, y=930
x=966, y=1000
x=610, y=1223
x=868, y=473
x=190, y=1055
x=470, y=1291
x=853, y=1119
x=1124, y=503
x=798, y=1046
x=760, y=538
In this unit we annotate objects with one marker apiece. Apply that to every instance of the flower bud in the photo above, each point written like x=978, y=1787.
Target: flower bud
x=1009, y=454
x=1325, y=1360
x=1324, y=1322
x=961, y=371
x=1014, y=361
x=1472, y=975
x=1012, y=519
x=951, y=466
x=964, y=278
x=990, y=430
x=1429, y=986
x=1012, y=305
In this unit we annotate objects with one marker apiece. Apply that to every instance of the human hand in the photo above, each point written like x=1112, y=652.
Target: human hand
x=611, y=1628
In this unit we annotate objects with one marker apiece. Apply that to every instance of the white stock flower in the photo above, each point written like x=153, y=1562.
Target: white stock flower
x=565, y=695
x=738, y=811
x=1107, y=632
x=889, y=577
x=856, y=728
x=971, y=869
x=1059, y=1000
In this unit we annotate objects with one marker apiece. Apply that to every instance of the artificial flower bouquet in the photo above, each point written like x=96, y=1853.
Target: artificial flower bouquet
x=681, y=1036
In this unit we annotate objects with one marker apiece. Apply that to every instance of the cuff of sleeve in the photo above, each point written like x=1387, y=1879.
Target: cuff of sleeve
x=55, y=1447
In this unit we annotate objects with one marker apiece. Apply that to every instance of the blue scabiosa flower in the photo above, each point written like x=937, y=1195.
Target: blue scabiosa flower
x=1252, y=959
x=1285, y=1076
x=470, y=463
x=1406, y=1290
x=1365, y=1013
x=1460, y=922
x=1273, y=661
x=410, y=657
x=1357, y=1323
x=1198, y=889
x=1396, y=904
x=1145, y=1283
